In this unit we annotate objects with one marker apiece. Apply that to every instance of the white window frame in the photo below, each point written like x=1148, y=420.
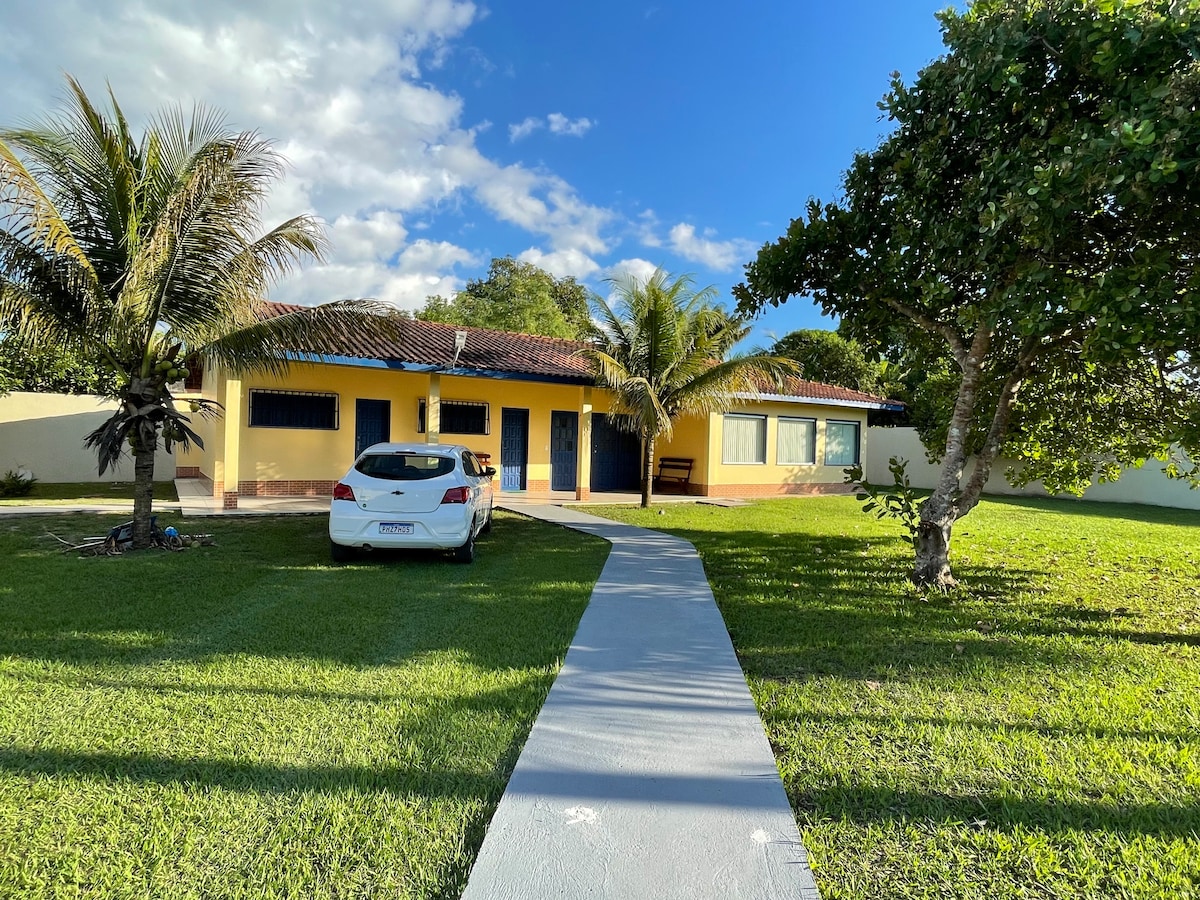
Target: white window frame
x=812, y=423
x=762, y=420
x=857, y=441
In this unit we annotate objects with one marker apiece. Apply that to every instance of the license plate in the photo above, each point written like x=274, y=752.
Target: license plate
x=395, y=528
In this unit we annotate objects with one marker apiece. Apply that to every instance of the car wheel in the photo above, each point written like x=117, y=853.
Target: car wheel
x=466, y=553
x=340, y=553
x=487, y=525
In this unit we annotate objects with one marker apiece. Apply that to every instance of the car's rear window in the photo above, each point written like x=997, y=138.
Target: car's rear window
x=405, y=466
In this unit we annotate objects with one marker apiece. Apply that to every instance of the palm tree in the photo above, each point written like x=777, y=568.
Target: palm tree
x=146, y=254
x=662, y=352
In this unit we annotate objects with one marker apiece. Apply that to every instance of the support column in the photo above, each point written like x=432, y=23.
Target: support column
x=233, y=437
x=583, y=484
x=433, y=410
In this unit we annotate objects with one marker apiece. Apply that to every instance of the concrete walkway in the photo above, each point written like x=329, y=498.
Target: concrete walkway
x=647, y=773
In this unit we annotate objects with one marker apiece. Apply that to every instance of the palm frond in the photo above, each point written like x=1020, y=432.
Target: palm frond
x=663, y=347
x=268, y=344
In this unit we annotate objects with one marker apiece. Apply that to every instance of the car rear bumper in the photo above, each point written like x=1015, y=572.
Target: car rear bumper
x=444, y=530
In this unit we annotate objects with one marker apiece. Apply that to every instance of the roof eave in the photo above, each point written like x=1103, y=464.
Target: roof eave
x=432, y=368
x=824, y=401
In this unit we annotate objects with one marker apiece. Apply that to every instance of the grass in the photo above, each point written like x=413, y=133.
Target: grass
x=246, y=720
x=88, y=493
x=1035, y=736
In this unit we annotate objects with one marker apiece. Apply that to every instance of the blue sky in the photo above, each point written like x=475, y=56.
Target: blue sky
x=433, y=135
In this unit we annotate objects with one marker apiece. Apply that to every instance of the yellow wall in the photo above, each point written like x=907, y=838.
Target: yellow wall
x=539, y=398
x=309, y=455
x=207, y=428
x=270, y=454
x=689, y=439
x=718, y=473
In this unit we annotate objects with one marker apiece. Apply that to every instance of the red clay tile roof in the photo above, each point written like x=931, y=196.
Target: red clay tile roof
x=818, y=390
x=432, y=344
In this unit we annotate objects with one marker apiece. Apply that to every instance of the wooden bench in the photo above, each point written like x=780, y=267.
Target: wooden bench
x=675, y=471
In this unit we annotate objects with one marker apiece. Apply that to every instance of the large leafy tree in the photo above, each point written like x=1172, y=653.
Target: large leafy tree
x=663, y=349
x=516, y=296
x=829, y=357
x=1029, y=227
x=55, y=370
x=143, y=252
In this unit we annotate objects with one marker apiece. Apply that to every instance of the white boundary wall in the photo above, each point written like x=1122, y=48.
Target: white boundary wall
x=44, y=433
x=1145, y=485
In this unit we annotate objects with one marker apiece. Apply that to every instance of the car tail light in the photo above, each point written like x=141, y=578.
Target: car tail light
x=343, y=492
x=457, y=495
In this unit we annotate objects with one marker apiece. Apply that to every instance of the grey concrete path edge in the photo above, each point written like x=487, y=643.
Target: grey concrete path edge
x=647, y=772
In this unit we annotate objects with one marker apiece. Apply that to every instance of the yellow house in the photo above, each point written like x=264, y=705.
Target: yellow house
x=528, y=404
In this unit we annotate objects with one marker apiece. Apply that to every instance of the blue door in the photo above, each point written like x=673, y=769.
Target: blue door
x=616, y=457
x=372, y=423
x=564, y=442
x=514, y=448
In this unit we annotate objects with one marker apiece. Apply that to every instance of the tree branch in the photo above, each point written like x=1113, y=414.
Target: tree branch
x=957, y=347
x=998, y=430
x=943, y=499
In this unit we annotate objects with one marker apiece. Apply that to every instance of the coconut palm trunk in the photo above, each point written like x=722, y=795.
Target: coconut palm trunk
x=647, y=472
x=143, y=493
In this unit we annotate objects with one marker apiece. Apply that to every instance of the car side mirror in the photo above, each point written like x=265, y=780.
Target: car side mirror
x=489, y=471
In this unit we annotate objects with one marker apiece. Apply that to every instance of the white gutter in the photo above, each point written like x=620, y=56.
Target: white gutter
x=820, y=401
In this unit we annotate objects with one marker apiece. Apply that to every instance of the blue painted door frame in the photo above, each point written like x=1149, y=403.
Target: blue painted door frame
x=514, y=448
x=372, y=423
x=564, y=443
x=616, y=457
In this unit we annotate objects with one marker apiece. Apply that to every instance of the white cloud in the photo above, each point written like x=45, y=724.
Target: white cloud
x=524, y=129
x=641, y=269
x=717, y=255
x=560, y=124
x=376, y=237
x=647, y=229
x=556, y=122
x=562, y=263
x=422, y=269
x=368, y=140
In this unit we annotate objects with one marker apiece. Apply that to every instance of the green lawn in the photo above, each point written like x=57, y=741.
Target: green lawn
x=1037, y=737
x=87, y=493
x=247, y=721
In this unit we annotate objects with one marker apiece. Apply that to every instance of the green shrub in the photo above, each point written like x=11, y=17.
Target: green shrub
x=16, y=484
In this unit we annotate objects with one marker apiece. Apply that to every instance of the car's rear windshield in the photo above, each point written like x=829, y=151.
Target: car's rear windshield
x=405, y=466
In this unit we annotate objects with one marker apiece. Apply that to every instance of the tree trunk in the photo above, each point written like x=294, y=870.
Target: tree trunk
x=143, y=492
x=947, y=505
x=647, y=472
x=932, y=566
x=939, y=512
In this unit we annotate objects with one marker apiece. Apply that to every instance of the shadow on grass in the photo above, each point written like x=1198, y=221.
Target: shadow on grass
x=259, y=778
x=1133, y=512
x=798, y=605
x=268, y=590
x=787, y=721
x=861, y=804
x=801, y=604
x=872, y=805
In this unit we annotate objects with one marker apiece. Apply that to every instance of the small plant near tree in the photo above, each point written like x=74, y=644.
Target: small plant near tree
x=897, y=502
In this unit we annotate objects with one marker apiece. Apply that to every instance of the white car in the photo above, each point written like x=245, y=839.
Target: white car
x=429, y=496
